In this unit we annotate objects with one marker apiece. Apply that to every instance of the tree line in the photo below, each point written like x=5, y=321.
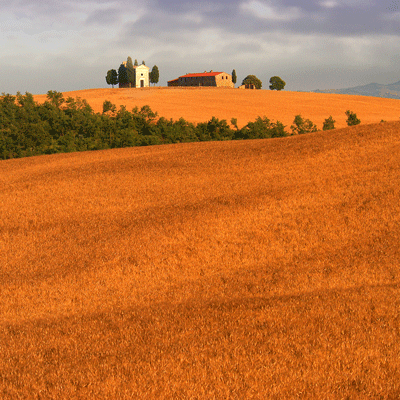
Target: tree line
x=126, y=75
x=61, y=125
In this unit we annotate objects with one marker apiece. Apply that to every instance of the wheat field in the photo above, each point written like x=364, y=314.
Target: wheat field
x=201, y=104
x=264, y=269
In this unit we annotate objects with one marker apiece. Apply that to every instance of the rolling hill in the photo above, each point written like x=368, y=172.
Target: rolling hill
x=242, y=270
x=200, y=104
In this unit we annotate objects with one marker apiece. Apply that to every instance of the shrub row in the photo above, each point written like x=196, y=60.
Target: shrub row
x=65, y=125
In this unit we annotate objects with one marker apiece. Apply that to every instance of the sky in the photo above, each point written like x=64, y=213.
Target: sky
x=67, y=45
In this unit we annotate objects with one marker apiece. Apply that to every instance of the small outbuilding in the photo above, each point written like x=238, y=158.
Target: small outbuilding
x=247, y=86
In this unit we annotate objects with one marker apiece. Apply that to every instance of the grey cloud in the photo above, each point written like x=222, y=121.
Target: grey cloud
x=104, y=17
x=318, y=46
x=351, y=17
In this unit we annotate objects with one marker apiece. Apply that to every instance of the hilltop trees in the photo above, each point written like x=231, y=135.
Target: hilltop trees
x=252, y=80
x=154, y=75
x=112, y=77
x=276, y=83
x=126, y=76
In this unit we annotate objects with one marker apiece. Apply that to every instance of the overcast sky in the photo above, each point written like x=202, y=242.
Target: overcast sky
x=70, y=44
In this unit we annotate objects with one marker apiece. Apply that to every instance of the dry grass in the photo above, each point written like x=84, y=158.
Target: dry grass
x=264, y=269
x=200, y=104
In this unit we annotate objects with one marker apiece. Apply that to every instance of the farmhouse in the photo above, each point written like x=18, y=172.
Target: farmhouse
x=219, y=79
x=141, y=76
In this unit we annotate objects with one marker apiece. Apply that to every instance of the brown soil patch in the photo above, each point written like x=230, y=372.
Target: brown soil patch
x=200, y=104
x=265, y=269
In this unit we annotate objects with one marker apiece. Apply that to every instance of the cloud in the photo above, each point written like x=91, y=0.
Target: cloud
x=70, y=44
x=267, y=11
x=104, y=17
x=329, y=3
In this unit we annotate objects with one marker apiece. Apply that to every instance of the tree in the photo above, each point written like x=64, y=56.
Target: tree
x=108, y=106
x=302, y=126
x=234, y=122
x=136, y=63
x=276, y=83
x=329, y=123
x=130, y=71
x=112, y=77
x=143, y=63
x=234, y=77
x=122, y=75
x=352, y=118
x=252, y=80
x=154, y=75
x=55, y=98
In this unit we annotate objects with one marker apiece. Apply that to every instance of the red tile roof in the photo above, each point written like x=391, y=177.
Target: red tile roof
x=201, y=74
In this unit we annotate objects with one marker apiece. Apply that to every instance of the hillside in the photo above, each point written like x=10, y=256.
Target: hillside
x=242, y=270
x=200, y=104
x=390, y=91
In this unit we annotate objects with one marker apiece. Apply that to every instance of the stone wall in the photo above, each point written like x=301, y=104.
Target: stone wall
x=224, y=80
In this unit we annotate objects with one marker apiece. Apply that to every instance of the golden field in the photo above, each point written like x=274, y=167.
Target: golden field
x=264, y=269
x=201, y=104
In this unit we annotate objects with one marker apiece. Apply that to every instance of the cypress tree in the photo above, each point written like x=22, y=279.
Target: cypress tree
x=122, y=75
x=154, y=75
x=130, y=72
x=234, y=77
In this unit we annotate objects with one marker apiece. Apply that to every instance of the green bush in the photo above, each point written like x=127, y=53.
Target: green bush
x=352, y=118
x=261, y=128
x=301, y=126
x=329, y=123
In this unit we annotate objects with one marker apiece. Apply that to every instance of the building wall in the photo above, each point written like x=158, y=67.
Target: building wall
x=224, y=80
x=142, y=74
x=220, y=80
x=248, y=86
x=175, y=82
x=197, y=81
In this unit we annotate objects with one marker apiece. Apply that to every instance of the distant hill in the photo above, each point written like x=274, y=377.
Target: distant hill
x=391, y=91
